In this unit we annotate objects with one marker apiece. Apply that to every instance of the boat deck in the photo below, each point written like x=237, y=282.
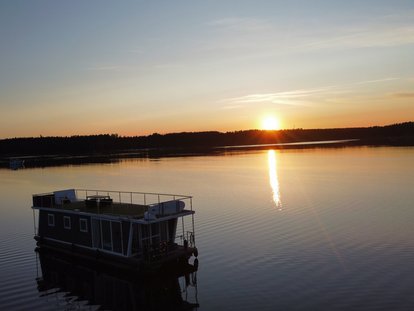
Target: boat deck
x=114, y=208
x=114, y=203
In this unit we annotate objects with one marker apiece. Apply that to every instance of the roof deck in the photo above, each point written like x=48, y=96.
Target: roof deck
x=114, y=203
x=114, y=208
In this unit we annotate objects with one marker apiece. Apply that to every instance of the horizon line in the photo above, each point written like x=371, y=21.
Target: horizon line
x=209, y=131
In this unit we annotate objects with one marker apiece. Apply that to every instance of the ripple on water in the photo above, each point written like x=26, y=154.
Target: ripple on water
x=342, y=241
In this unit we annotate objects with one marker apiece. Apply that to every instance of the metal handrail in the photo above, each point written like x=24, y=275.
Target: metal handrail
x=129, y=197
x=180, y=196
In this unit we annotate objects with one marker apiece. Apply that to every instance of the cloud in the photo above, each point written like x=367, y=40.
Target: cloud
x=135, y=51
x=240, y=24
x=169, y=66
x=104, y=68
x=377, y=80
x=229, y=107
x=266, y=37
x=381, y=31
x=402, y=95
x=304, y=97
x=365, y=38
x=286, y=98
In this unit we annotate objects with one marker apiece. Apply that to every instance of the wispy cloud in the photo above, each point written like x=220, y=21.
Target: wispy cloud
x=266, y=38
x=173, y=66
x=240, y=24
x=303, y=97
x=402, y=95
x=381, y=31
x=274, y=97
x=104, y=68
x=285, y=98
x=229, y=107
x=135, y=51
x=364, y=37
x=378, y=80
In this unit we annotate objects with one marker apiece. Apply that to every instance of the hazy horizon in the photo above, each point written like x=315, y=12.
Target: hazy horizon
x=136, y=68
x=212, y=130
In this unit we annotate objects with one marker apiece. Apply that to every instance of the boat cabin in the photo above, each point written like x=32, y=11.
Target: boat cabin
x=131, y=228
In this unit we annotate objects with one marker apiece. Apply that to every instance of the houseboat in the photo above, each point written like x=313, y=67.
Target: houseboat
x=132, y=230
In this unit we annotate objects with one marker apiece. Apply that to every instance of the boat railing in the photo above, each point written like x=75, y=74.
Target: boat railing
x=186, y=239
x=145, y=199
x=44, y=200
x=124, y=197
x=158, y=251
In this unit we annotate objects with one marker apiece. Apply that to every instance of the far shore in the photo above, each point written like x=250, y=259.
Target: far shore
x=45, y=151
x=156, y=153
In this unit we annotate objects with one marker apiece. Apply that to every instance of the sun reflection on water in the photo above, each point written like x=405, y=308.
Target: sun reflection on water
x=274, y=181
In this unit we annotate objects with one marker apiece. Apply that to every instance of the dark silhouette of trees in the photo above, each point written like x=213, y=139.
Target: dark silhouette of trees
x=396, y=134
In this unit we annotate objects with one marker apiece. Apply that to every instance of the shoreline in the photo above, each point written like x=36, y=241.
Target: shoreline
x=47, y=160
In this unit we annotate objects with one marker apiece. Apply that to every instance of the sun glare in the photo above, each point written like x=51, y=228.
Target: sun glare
x=270, y=123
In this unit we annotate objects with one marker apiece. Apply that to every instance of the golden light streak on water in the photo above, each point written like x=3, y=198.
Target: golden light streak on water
x=274, y=181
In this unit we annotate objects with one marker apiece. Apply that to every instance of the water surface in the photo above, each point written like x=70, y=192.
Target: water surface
x=276, y=230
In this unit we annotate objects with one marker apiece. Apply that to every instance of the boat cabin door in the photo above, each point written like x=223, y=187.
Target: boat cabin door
x=107, y=235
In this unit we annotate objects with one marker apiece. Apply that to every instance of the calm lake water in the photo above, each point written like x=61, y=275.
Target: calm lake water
x=311, y=229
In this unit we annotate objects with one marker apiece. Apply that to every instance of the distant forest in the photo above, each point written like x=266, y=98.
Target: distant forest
x=397, y=134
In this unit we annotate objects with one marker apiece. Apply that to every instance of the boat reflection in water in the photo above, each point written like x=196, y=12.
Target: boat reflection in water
x=71, y=283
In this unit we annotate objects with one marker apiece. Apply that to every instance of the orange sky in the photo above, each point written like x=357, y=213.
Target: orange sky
x=82, y=68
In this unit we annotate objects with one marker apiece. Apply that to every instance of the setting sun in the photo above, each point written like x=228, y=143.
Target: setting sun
x=270, y=123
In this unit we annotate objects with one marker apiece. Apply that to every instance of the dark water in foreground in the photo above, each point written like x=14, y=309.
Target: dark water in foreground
x=314, y=229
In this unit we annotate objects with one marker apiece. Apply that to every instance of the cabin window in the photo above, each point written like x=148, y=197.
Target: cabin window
x=66, y=222
x=145, y=231
x=51, y=220
x=164, y=231
x=83, y=225
x=116, y=237
x=155, y=229
x=96, y=233
x=150, y=235
x=135, y=239
x=107, y=235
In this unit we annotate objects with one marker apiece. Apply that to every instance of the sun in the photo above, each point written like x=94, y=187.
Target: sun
x=270, y=123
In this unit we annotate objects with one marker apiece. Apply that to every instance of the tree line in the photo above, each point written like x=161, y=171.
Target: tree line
x=395, y=134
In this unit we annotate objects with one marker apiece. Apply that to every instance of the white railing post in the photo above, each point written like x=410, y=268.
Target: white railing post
x=34, y=221
x=192, y=219
x=129, y=251
x=182, y=222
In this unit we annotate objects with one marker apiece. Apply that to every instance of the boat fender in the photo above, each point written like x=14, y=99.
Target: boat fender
x=195, y=252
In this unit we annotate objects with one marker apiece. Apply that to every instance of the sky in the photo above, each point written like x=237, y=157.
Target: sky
x=139, y=67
